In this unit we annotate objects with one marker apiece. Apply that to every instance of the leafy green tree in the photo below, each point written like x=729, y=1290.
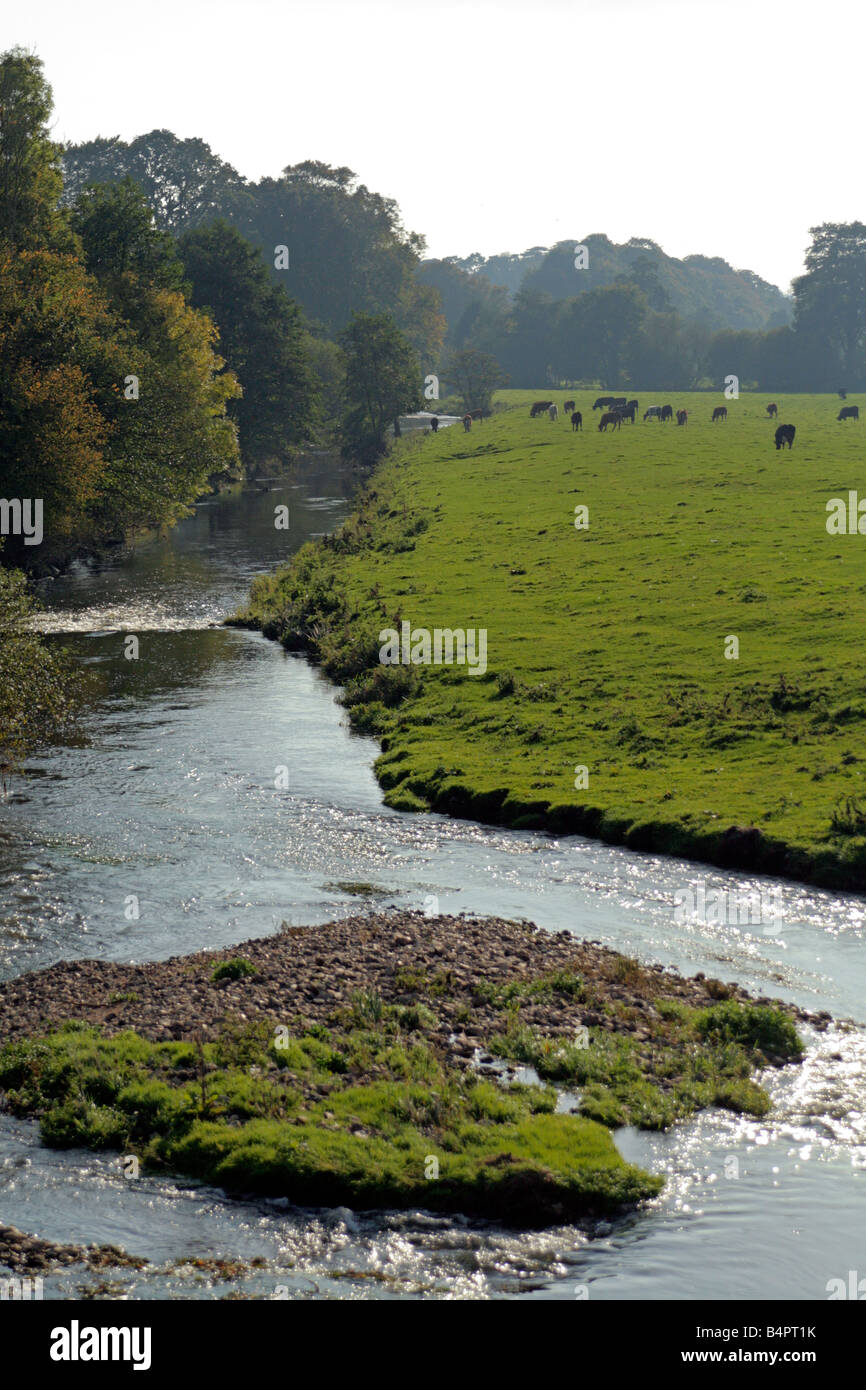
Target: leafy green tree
x=262, y=338
x=119, y=237
x=383, y=381
x=63, y=354
x=31, y=177
x=184, y=182
x=328, y=364
x=830, y=305
x=474, y=376
x=348, y=250
x=170, y=431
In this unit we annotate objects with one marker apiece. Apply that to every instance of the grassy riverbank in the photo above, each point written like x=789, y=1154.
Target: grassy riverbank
x=606, y=646
x=366, y=1063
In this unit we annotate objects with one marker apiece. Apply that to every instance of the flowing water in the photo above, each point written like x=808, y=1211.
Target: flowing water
x=218, y=792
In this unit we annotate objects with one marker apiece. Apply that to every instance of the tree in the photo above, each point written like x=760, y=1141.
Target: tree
x=830, y=304
x=612, y=318
x=348, y=250
x=31, y=179
x=474, y=376
x=383, y=381
x=119, y=237
x=37, y=689
x=173, y=433
x=62, y=356
x=170, y=443
x=262, y=338
x=184, y=182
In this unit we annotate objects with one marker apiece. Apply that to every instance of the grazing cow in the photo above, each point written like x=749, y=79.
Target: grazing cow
x=610, y=417
x=772, y=410
x=553, y=412
x=569, y=405
x=654, y=413
x=785, y=435
x=577, y=420
x=434, y=424
x=467, y=423
x=603, y=403
x=849, y=412
x=667, y=413
x=538, y=408
x=720, y=413
x=682, y=417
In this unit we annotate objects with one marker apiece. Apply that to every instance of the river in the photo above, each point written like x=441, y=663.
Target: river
x=163, y=830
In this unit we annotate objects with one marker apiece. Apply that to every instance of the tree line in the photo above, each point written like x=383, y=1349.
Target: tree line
x=630, y=330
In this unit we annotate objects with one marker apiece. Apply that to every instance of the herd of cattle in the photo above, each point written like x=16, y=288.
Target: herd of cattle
x=615, y=410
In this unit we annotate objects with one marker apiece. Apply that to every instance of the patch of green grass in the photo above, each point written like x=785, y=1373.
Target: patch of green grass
x=606, y=646
x=694, y=1059
x=236, y=969
x=565, y=983
x=409, y=1131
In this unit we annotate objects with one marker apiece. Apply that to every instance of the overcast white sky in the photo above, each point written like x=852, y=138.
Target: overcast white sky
x=726, y=127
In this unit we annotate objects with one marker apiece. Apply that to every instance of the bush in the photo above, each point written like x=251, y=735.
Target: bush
x=234, y=969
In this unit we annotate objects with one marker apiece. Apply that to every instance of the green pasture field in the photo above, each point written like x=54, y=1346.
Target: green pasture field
x=606, y=646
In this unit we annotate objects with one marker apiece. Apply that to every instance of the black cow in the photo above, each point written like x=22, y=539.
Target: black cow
x=625, y=412
x=610, y=417
x=603, y=403
x=434, y=424
x=720, y=413
x=772, y=410
x=538, y=408
x=667, y=413
x=577, y=420
x=785, y=435
x=632, y=405
x=849, y=412
x=569, y=405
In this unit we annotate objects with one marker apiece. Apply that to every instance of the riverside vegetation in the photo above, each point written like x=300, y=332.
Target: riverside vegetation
x=606, y=645
x=355, y=1063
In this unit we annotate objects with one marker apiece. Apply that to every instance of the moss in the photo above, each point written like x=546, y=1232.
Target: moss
x=391, y=1125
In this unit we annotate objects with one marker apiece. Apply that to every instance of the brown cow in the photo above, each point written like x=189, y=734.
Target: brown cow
x=720, y=413
x=682, y=417
x=610, y=417
x=477, y=415
x=467, y=423
x=772, y=410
